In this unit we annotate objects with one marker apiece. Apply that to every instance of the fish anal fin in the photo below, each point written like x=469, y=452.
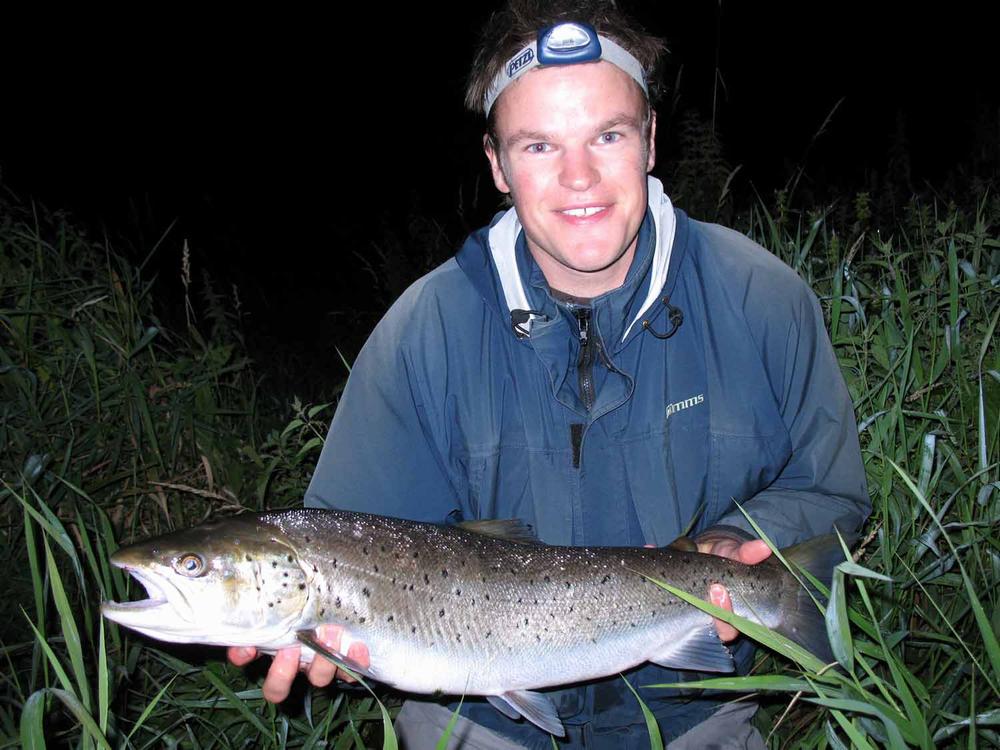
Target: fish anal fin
x=700, y=650
x=535, y=707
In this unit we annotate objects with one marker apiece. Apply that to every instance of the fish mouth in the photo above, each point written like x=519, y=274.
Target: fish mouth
x=163, y=604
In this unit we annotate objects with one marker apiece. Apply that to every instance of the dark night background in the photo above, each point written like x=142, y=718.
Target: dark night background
x=290, y=148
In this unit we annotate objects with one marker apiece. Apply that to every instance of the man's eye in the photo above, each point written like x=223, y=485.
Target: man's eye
x=538, y=148
x=610, y=137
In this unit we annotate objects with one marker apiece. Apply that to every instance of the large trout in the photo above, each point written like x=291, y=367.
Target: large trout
x=450, y=610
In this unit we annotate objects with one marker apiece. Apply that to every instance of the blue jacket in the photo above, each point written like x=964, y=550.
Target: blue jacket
x=452, y=412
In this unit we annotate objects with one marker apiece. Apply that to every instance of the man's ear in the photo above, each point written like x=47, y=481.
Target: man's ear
x=651, y=156
x=499, y=179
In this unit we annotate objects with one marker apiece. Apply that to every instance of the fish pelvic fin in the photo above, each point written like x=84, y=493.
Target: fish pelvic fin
x=699, y=650
x=802, y=621
x=535, y=707
x=308, y=638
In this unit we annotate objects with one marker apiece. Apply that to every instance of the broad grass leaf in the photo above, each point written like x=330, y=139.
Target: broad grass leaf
x=655, y=739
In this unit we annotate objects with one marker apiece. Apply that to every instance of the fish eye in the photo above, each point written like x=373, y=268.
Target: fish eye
x=190, y=565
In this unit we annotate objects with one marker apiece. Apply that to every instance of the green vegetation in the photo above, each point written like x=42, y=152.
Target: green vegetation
x=113, y=427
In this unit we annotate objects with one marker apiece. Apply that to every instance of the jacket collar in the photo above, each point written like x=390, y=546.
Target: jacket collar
x=518, y=274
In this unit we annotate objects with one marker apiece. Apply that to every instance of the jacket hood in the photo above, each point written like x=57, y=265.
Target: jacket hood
x=499, y=265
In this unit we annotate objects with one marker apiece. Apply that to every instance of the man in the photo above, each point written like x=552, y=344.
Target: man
x=596, y=364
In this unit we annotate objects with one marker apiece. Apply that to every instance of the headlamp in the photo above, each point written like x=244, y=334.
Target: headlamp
x=564, y=44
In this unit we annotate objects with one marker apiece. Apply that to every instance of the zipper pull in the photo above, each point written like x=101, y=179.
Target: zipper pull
x=583, y=321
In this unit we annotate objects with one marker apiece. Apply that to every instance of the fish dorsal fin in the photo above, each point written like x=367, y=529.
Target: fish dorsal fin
x=683, y=544
x=699, y=650
x=511, y=529
x=535, y=707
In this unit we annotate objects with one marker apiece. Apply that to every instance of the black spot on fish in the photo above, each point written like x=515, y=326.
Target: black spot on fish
x=458, y=592
x=525, y=620
x=463, y=563
x=489, y=633
x=614, y=622
x=274, y=564
x=416, y=555
x=270, y=604
x=538, y=637
x=335, y=562
x=366, y=591
x=552, y=615
x=284, y=575
x=547, y=579
x=536, y=601
x=249, y=559
x=290, y=558
x=364, y=550
x=322, y=612
x=393, y=580
x=458, y=637
x=569, y=585
x=361, y=619
x=571, y=608
x=258, y=588
x=376, y=568
x=632, y=624
x=605, y=579
x=413, y=629
x=444, y=572
x=308, y=540
x=518, y=600
x=390, y=618
x=441, y=613
x=531, y=582
x=315, y=569
x=382, y=548
x=337, y=603
x=284, y=585
x=410, y=587
x=483, y=579
x=432, y=597
x=473, y=601
x=427, y=578
x=512, y=570
x=487, y=597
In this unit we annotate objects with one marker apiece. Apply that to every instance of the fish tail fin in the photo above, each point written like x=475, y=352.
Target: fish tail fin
x=802, y=621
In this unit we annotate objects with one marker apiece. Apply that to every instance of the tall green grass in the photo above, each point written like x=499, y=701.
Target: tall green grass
x=113, y=427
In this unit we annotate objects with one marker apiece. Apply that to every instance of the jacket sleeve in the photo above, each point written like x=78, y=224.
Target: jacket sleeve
x=382, y=454
x=823, y=483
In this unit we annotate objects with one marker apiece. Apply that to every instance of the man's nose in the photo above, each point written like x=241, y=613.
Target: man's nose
x=579, y=171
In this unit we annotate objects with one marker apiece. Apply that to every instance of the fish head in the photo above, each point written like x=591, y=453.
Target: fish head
x=229, y=583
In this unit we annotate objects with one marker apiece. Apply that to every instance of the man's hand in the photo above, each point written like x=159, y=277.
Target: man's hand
x=751, y=553
x=286, y=663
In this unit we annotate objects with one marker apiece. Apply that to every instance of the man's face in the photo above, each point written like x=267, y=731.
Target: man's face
x=572, y=153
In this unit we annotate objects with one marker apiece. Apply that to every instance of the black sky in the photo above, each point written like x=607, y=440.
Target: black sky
x=281, y=142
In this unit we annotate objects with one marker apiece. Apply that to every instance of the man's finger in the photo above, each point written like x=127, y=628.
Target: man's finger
x=754, y=552
x=241, y=655
x=279, y=678
x=322, y=671
x=719, y=596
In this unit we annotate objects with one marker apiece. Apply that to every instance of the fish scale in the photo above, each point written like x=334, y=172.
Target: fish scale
x=446, y=609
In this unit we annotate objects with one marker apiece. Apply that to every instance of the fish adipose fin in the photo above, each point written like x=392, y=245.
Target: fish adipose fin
x=535, y=707
x=700, y=650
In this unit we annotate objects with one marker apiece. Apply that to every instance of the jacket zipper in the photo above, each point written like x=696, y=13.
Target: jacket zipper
x=585, y=363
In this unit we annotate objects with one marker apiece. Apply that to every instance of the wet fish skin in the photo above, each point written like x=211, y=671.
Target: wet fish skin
x=444, y=609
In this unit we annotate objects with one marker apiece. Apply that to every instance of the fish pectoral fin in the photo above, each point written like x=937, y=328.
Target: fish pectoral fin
x=535, y=707
x=700, y=650
x=308, y=638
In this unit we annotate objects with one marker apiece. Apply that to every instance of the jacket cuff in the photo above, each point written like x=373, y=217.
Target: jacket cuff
x=723, y=532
